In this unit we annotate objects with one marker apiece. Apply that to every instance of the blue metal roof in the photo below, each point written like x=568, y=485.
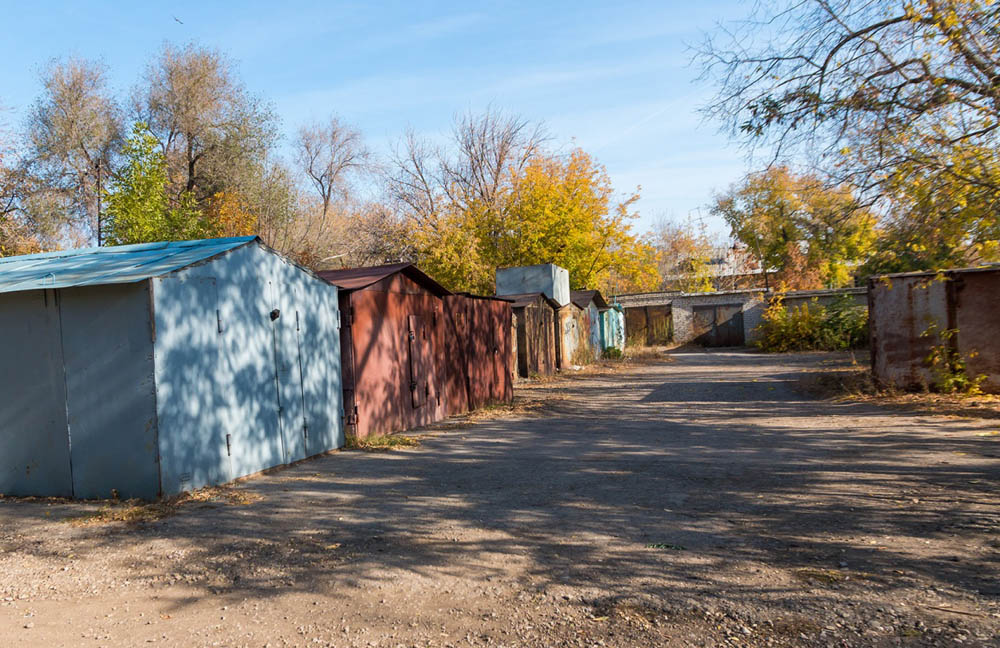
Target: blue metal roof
x=107, y=265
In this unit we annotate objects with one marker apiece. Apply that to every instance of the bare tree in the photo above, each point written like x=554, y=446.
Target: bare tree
x=377, y=235
x=73, y=131
x=489, y=150
x=867, y=88
x=327, y=153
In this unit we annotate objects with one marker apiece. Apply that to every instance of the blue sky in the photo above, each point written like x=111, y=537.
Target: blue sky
x=613, y=77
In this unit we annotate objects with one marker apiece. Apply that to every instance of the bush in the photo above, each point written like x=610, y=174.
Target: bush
x=949, y=367
x=812, y=327
x=613, y=353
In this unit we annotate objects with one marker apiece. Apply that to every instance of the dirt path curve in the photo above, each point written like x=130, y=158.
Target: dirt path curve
x=698, y=502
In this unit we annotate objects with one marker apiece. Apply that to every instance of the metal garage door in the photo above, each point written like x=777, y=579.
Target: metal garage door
x=719, y=325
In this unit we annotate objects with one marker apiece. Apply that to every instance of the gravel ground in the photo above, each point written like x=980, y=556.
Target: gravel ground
x=701, y=501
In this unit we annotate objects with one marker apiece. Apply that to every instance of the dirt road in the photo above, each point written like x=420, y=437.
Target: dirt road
x=698, y=502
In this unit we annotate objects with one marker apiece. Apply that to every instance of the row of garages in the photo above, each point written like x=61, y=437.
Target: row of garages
x=913, y=317
x=148, y=370
x=556, y=328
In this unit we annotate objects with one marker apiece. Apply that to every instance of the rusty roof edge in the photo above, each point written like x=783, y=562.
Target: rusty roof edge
x=535, y=295
x=986, y=267
x=491, y=297
x=587, y=296
x=352, y=279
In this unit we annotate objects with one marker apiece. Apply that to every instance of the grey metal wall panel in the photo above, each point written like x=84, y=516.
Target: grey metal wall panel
x=319, y=342
x=107, y=347
x=244, y=379
x=189, y=383
x=309, y=327
x=34, y=444
x=546, y=278
x=215, y=392
x=285, y=300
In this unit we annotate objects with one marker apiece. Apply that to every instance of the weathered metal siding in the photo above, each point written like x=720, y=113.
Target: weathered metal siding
x=196, y=381
x=907, y=313
x=648, y=325
x=594, y=315
x=575, y=336
x=612, y=329
x=108, y=357
x=247, y=366
x=976, y=297
x=86, y=421
x=399, y=382
x=487, y=362
x=34, y=444
x=534, y=344
x=456, y=379
x=491, y=375
x=545, y=278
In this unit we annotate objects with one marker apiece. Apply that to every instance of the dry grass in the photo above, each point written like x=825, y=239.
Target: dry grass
x=824, y=576
x=854, y=383
x=380, y=443
x=135, y=511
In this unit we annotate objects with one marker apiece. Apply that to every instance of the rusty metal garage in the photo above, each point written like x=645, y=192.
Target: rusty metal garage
x=392, y=348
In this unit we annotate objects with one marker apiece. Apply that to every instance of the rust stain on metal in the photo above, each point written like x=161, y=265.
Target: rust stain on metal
x=413, y=353
x=908, y=312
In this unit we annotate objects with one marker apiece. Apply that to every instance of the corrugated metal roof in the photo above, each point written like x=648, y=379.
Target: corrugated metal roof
x=581, y=298
x=499, y=298
x=358, y=278
x=527, y=299
x=986, y=267
x=108, y=265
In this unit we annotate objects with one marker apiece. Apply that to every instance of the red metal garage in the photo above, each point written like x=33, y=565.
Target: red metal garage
x=395, y=369
x=480, y=328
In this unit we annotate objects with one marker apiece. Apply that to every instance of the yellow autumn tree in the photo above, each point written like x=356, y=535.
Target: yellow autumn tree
x=806, y=233
x=230, y=215
x=553, y=209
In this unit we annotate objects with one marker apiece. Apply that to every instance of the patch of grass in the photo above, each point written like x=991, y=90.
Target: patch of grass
x=665, y=545
x=380, y=443
x=135, y=511
x=855, y=383
x=825, y=576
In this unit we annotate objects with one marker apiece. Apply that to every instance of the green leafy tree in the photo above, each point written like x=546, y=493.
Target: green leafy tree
x=138, y=207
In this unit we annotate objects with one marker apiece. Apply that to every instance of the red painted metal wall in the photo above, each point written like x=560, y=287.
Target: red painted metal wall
x=481, y=351
x=396, y=376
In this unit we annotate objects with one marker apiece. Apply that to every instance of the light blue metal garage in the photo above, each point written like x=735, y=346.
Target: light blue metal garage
x=148, y=370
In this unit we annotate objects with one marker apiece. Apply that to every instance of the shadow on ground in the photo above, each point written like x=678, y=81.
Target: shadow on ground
x=665, y=482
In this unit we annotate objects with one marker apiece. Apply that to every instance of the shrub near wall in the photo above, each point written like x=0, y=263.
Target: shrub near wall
x=812, y=327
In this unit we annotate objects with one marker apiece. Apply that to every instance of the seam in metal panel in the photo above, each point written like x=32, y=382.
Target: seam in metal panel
x=156, y=404
x=57, y=301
